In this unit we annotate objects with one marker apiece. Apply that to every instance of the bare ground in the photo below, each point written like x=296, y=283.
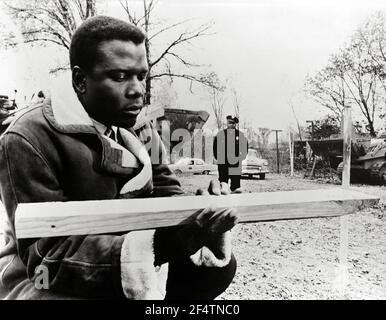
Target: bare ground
x=298, y=259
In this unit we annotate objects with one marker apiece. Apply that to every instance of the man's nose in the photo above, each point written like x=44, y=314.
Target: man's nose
x=135, y=89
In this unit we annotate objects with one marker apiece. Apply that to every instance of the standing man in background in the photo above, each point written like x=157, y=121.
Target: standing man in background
x=230, y=148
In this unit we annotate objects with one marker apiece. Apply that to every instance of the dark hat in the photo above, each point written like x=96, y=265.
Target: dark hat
x=235, y=119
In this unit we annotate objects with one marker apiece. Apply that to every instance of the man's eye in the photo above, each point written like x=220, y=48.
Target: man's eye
x=142, y=76
x=119, y=76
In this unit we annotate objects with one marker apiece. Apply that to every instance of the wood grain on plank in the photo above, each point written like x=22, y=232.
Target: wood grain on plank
x=108, y=216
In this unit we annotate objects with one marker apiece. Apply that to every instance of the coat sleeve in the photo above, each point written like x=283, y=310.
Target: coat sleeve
x=215, y=147
x=165, y=183
x=244, y=147
x=85, y=266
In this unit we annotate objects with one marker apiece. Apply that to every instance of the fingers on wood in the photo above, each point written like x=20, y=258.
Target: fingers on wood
x=214, y=187
x=201, y=192
x=225, y=188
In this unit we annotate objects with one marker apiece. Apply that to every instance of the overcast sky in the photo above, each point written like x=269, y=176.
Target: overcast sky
x=265, y=48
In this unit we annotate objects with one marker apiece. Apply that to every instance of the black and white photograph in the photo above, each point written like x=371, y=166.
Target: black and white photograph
x=212, y=151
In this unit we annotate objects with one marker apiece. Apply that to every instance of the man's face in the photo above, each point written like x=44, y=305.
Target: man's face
x=115, y=86
x=231, y=124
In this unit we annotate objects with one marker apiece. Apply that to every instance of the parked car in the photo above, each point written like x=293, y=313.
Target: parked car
x=192, y=165
x=254, y=165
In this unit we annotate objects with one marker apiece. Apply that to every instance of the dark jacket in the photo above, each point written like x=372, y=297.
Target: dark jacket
x=43, y=159
x=230, y=147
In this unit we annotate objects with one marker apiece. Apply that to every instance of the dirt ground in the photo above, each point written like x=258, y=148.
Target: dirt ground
x=298, y=259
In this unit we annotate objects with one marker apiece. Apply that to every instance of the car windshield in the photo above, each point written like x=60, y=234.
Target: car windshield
x=252, y=153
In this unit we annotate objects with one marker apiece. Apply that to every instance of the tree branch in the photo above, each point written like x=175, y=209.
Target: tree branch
x=203, y=80
x=168, y=28
x=184, y=37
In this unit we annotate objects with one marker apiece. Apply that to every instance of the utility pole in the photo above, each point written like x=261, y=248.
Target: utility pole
x=277, y=150
x=313, y=155
x=291, y=150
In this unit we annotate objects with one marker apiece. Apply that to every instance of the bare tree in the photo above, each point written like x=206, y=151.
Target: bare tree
x=328, y=86
x=372, y=37
x=50, y=21
x=297, y=121
x=236, y=102
x=54, y=21
x=8, y=37
x=257, y=138
x=217, y=104
x=361, y=78
x=164, y=96
x=355, y=76
x=161, y=64
x=262, y=140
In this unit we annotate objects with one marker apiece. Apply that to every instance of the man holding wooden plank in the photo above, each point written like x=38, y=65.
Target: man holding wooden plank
x=95, y=151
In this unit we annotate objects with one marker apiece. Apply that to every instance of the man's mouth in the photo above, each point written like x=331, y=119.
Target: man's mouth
x=133, y=110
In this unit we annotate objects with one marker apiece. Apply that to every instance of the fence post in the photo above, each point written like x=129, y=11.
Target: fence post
x=291, y=151
x=343, y=245
x=277, y=150
x=347, y=130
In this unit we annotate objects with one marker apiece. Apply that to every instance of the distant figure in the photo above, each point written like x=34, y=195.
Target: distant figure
x=230, y=148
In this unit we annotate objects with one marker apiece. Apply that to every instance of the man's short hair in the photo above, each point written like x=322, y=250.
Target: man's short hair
x=85, y=41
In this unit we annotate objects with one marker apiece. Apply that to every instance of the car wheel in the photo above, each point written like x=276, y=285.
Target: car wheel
x=262, y=176
x=178, y=171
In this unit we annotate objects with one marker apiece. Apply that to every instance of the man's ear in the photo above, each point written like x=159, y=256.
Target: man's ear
x=79, y=80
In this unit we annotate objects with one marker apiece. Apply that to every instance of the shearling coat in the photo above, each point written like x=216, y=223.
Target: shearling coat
x=53, y=153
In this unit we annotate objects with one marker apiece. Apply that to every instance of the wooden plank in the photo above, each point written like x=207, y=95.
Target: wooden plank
x=95, y=217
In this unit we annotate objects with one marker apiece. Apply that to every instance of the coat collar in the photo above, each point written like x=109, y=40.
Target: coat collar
x=66, y=114
x=69, y=117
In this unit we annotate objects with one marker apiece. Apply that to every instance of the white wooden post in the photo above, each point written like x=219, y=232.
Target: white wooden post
x=347, y=130
x=343, y=247
x=291, y=151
